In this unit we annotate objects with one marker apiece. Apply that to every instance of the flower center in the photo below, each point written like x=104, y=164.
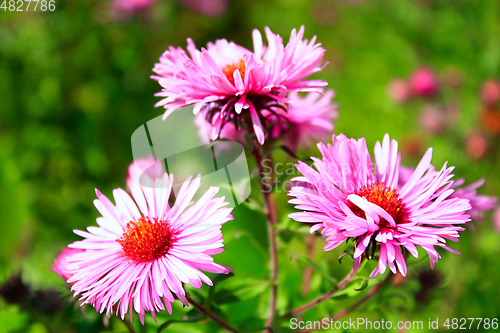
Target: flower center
x=229, y=70
x=147, y=240
x=384, y=197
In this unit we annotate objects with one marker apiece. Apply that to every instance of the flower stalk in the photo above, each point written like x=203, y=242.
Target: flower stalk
x=271, y=218
x=356, y=305
x=128, y=326
x=348, y=278
x=210, y=315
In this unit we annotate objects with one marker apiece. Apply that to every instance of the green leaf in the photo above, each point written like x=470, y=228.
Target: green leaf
x=187, y=320
x=341, y=297
x=252, y=204
x=343, y=254
x=240, y=290
x=363, y=285
x=211, y=292
x=305, y=260
x=222, y=277
x=355, y=281
x=225, y=297
x=252, y=290
x=290, y=152
x=261, y=329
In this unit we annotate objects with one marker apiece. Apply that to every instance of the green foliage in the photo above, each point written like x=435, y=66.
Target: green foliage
x=307, y=261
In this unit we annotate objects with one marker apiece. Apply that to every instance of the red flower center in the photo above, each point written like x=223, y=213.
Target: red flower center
x=384, y=197
x=229, y=70
x=147, y=240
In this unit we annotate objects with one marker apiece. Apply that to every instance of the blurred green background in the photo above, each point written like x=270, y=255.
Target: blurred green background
x=74, y=85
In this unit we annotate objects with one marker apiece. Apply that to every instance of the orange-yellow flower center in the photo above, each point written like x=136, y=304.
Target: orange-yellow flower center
x=146, y=240
x=229, y=70
x=386, y=198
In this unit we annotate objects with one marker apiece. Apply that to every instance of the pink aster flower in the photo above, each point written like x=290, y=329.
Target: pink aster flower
x=126, y=8
x=206, y=7
x=234, y=84
x=348, y=199
x=490, y=92
x=476, y=144
x=479, y=203
x=432, y=119
x=306, y=119
x=145, y=250
x=399, y=90
x=61, y=262
x=424, y=82
x=228, y=132
x=496, y=219
x=144, y=167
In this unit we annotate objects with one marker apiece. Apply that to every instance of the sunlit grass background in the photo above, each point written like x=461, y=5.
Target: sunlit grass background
x=74, y=85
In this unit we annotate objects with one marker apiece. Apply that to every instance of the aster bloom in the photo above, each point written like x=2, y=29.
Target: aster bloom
x=228, y=132
x=432, y=119
x=61, y=262
x=399, y=90
x=348, y=200
x=424, y=82
x=306, y=119
x=496, y=219
x=126, y=8
x=206, y=7
x=144, y=167
x=145, y=250
x=476, y=144
x=490, y=92
x=479, y=203
x=231, y=83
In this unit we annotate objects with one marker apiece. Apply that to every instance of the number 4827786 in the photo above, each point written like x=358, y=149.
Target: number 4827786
x=25, y=5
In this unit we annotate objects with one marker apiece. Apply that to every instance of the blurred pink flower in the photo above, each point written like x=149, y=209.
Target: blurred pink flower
x=490, y=92
x=306, y=119
x=233, y=84
x=347, y=200
x=399, y=90
x=206, y=7
x=61, y=262
x=125, y=8
x=229, y=132
x=496, y=219
x=145, y=167
x=479, y=203
x=144, y=249
x=476, y=145
x=424, y=82
x=432, y=119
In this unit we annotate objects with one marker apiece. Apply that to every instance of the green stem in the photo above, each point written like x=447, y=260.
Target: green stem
x=356, y=305
x=324, y=297
x=210, y=315
x=272, y=221
x=306, y=284
x=128, y=325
